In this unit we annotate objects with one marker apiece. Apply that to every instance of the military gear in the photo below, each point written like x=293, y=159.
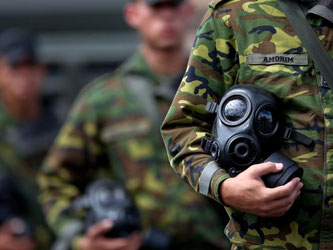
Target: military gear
x=247, y=130
x=290, y=170
x=106, y=199
x=231, y=33
x=247, y=127
x=110, y=134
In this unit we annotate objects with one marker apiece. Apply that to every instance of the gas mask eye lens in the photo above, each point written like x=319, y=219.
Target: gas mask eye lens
x=235, y=109
x=266, y=122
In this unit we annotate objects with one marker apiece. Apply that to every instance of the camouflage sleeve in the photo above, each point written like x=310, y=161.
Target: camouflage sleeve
x=212, y=67
x=70, y=165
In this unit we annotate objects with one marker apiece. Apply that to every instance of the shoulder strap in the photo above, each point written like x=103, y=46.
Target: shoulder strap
x=141, y=88
x=309, y=39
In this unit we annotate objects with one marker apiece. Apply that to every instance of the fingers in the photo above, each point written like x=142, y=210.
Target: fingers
x=247, y=192
x=23, y=244
x=280, y=207
x=129, y=243
x=262, y=169
x=114, y=244
x=136, y=241
x=280, y=192
x=10, y=242
x=100, y=229
x=95, y=239
x=287, y=195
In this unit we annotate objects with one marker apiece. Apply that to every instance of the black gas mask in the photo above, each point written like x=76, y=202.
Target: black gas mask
x=105, y=199
x=108, y=199
x=248, y=129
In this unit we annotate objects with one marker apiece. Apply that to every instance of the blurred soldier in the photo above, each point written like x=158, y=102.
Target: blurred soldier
x=113, y=131
x=27, y=127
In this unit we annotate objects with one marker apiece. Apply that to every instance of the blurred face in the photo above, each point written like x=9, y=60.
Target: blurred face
x=161, y=26
x=20, y=82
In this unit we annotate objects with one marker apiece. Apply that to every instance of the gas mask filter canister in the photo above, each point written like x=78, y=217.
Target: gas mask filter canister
x=247, y=130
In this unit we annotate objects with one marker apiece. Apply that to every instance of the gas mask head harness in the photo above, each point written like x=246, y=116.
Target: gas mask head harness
x=248, y=129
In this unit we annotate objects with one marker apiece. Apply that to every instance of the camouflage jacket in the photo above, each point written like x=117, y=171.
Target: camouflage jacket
x=230, y=34
x=110, y=133
x=18, y=186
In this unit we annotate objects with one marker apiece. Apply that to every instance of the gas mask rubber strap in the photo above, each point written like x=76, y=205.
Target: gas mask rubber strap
x=290, y=133
x=205, y=143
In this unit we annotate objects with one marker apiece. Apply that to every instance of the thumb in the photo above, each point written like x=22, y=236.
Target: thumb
x=262, y=169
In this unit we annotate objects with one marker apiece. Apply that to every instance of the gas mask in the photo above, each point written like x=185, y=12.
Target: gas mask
x=109, y=199
x=248, y=129
x=106, y=199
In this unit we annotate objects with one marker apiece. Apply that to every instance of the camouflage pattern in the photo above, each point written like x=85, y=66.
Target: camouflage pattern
x=232, y=32
x=24, y=176
x=109, y=134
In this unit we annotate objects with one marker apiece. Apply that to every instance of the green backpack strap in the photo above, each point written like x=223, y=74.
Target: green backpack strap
x=141, y=88
x=311, y=42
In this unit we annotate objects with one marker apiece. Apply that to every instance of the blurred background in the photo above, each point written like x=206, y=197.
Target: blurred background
x=78, y=40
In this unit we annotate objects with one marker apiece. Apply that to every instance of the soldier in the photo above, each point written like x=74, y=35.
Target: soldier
x=28, y=125
x=112, y=131
x=252, y=42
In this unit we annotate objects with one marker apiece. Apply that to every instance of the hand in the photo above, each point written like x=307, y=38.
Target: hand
x=95, y=239
x=247, y=192
x=8, y=241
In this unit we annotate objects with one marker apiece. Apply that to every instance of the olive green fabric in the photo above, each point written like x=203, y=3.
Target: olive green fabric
x=109, y=133
x=248, y=42
x=23, y=176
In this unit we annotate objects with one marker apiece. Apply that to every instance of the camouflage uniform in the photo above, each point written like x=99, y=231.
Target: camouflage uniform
x=110, y=133
x=22, y=180
x=237, y=43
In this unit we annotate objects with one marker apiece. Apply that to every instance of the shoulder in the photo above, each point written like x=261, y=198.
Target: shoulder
x=99, y=95
x=96, y=86
x=233, y=4
x=214, y=4
x=232, y=12
x=101, y=89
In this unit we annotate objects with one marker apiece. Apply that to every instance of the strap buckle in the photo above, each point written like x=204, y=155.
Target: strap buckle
x=211, y=107
x=287, y=132
x=290, y=133
x=206, y=144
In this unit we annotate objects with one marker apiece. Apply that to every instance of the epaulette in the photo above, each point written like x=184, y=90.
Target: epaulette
x=215, y=3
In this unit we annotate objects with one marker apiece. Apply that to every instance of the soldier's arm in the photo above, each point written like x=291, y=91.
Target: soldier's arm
x=212, y=67
x=69, y=167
